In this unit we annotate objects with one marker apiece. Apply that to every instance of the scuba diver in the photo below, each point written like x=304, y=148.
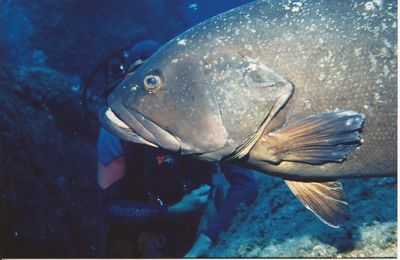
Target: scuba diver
x=158, y=202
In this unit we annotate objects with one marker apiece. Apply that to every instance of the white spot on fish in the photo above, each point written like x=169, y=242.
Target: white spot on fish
x=295, y=9
x=357, y=51
x=182, y=42
x=174, y=61
x=194, y=7
x=346, y=112
x=248, y=47
x=253, y=66
x=299, y=4
x=372, y=5
x=378, y=98
x=387, y=43
x=350, y=122
x=134, y=87
x=307, y=103
x=378, y=2
x=386, y=70
x=219, y=40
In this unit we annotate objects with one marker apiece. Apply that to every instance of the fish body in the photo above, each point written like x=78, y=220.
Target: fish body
x=303, y=90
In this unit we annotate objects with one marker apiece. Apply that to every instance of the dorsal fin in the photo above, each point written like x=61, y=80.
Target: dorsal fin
x=327, y=200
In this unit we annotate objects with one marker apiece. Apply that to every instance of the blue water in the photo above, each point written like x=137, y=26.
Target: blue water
x=72, y=36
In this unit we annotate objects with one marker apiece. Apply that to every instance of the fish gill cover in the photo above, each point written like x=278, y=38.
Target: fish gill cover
x=50, y=204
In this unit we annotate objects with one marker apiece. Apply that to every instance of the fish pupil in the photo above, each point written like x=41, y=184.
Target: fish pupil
x=152, y=81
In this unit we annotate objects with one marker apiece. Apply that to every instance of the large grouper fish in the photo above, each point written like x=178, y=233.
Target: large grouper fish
x=302, y=90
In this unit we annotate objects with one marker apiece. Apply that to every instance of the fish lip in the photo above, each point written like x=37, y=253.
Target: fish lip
x=133, y=123
x=123, y=131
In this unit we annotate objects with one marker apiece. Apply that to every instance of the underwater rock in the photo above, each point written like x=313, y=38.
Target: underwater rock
x=48, y=188
x=370, y=231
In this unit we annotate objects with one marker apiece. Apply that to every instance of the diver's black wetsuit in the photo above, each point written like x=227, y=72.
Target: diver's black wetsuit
x=157, y=178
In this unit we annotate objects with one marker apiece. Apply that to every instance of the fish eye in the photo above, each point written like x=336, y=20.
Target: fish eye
x=153, y=81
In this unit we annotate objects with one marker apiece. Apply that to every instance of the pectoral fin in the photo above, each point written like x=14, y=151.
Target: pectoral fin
x=317, y=139
x=326, y=200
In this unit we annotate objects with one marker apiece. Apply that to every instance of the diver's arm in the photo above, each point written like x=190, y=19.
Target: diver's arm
x=138, y=213
x=110, y=173
x=192, y=201
x=243, y=190
x=111, y=165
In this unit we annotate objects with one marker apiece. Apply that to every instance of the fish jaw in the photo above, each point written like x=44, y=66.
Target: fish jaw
x=116, y=126
x=133, y=127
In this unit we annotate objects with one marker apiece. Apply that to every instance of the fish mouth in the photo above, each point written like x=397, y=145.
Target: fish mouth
x=134, y=127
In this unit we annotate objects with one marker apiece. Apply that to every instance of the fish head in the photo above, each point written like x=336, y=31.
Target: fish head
x=167, y=103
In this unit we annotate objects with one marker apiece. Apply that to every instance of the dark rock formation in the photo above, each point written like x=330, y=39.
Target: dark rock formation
x=49, y=203
x=278, y=225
